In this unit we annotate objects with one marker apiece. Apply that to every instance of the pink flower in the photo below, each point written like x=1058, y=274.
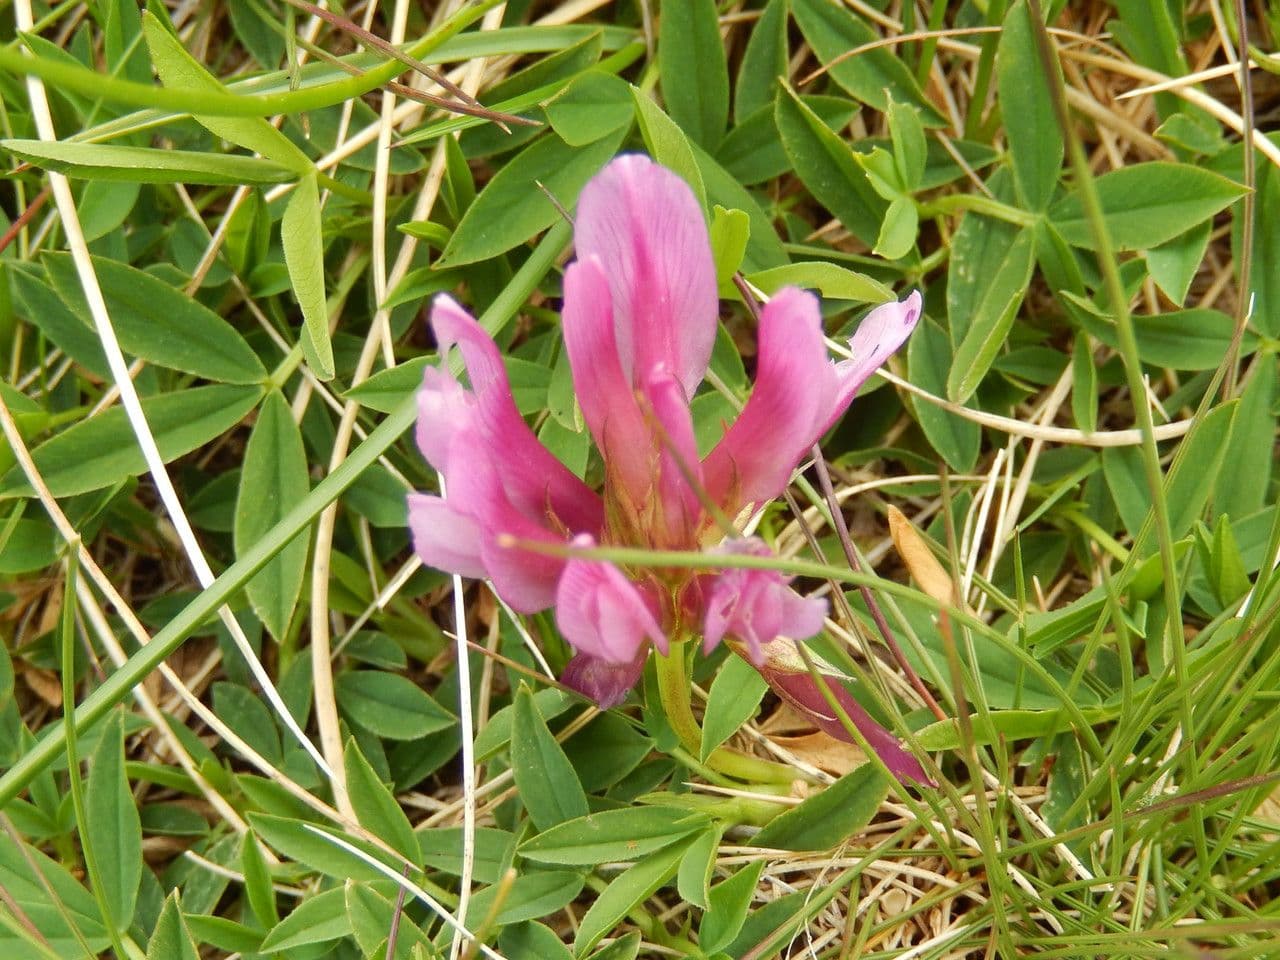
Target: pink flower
x=639, y=321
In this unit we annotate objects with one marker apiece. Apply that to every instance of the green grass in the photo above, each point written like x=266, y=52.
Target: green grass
x=267, y=748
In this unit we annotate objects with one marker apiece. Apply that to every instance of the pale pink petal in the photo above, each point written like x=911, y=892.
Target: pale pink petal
x=602, y=681
x=444, y=538
x=535, y=482
x=796, y=384
x=756, y=606
x=877, y=338
x=604, y=391
x=602, y=613
x=801, y=691
x=647, y=228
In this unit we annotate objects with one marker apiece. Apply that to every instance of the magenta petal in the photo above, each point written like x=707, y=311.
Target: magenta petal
x=801, y=691
x=604, y=614
x=534, y=480
x=604, y=391
x=604, y=682
x=647, y=228
x=796, y=386
x=756, y=606
x=444, y=538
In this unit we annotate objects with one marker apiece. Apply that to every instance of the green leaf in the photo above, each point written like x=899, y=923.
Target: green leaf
x=874, y=76
x=171, y=940
x=108, y=161
x=1248, y=455
x=273, y=479
x=623, y=948
x=1147, y=204
x=692, y=69
x=307, y=844
x=826, y=166
x=548, y=786
x=1226, y=568
x=612, y=835
x=956, y=439
x=696, y=866
x=533, y=940
x=159, y=323
x=101, y=451
x=373, y=916
x=112, y=824
x=594, y=105
x=257, y=882
x=300, y=235
x=180, y=70
x=37, y=303
x=753, y=151
x=319, y=918
x=1195, y=339
x=496, y=734
x=832, y=281
x=979, y=248
x=1197, y=468
x=828, y=817
x=734, y=698
x=531, y=896
x=728, y=909
x=910, y=149
x=897, y=235
x=1007, y=725
x=442, y=850
x=375, y=805
x=390, y=705
x=763, y=62
x=223, y=933
x=33, y=894
x=668, y=144
x=249, y=718
x=606, y=750
x=1174, y=264
x=730, y=231
x=1084, y=385
x=511, y=208
x=1030, y=126
x=990, y=323
x=630, y=888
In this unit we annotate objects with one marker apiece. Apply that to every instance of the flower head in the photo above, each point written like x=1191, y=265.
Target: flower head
x=639, y=320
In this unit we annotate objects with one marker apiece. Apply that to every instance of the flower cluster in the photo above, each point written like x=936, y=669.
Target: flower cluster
x=639, y=320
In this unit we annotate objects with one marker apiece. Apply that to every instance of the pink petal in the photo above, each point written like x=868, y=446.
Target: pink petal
x=604, y=391
x=604, y=682
x=877, y=338
x=799, y=393
x=524, y=578
x=796, y=385
x=677, y=458
x=444, y=538
x=534, y=480
x=801, y=691
x=647, y=228
x=757, y=606
x=602, y=613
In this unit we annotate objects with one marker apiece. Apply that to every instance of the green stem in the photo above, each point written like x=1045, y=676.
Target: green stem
x=673, y=689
